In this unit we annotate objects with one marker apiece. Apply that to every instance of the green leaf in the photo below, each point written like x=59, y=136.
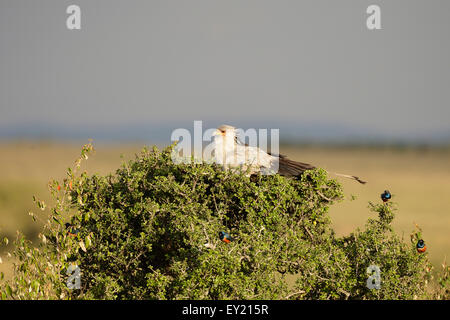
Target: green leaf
x=88, y=241
x=59, y=222
x=9, y=291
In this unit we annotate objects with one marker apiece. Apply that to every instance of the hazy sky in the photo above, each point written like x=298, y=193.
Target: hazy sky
x=305, y=64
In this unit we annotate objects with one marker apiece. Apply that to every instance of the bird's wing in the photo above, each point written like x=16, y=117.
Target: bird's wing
x=270, y=163
x=239, y=142
x=248, y=157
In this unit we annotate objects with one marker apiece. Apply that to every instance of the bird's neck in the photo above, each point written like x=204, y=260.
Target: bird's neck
x=227, y=141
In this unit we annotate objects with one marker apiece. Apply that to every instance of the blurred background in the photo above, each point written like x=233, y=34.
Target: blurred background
x=373, y=103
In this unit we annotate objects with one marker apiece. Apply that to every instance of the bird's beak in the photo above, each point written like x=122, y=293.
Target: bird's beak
x=218, y=133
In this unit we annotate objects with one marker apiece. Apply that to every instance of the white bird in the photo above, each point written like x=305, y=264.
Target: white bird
x=231, y=153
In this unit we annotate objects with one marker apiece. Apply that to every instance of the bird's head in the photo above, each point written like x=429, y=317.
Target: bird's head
x=225, y=131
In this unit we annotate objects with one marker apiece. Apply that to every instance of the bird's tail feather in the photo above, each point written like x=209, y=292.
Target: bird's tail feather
x=350, y=177
x=290, y=168
x=287, y=167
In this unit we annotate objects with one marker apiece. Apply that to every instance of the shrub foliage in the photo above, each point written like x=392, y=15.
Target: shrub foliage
x=151, y=231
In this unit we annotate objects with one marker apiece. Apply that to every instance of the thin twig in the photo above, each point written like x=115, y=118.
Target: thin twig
x=293, y=294
x=320, y=194
x=309, y=233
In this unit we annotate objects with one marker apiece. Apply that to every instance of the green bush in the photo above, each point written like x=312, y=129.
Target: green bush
x=151, y=231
